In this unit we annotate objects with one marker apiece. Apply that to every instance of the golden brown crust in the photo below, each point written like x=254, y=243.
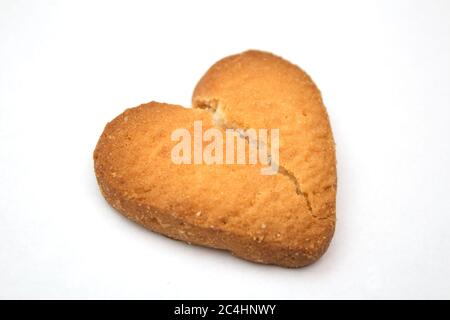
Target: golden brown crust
x=260, y=90
x=261, y=218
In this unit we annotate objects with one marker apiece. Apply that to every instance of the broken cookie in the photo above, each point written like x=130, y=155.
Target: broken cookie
x=149, y=172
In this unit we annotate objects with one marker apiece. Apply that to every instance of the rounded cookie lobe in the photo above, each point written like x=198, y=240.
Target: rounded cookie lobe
x=231, y=207
x=257, y=89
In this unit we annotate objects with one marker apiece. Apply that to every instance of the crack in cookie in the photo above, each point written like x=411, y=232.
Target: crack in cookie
x=285, y=219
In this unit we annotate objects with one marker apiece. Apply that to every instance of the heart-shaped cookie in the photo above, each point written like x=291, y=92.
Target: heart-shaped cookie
x=283, y=216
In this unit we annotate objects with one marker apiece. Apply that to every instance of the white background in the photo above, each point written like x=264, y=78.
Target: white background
x=68, y=67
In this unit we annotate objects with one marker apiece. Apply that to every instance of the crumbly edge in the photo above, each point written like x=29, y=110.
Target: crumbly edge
x=169, y=225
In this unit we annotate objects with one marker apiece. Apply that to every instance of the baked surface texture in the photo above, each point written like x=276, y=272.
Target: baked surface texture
x=285, y=219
